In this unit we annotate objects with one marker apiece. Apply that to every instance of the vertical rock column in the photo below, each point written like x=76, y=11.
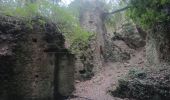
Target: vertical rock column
x=91, y=20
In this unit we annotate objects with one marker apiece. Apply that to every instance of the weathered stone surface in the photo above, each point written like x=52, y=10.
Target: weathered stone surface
x=28, y=60
x=115, y=53
x=158, y=40
x=154, y=83
x=64, y=75
x=133, y=36
x=123, y=31
x=84, y=67
x=91, y=20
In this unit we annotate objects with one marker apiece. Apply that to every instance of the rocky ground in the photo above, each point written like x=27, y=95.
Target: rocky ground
x=97, y=88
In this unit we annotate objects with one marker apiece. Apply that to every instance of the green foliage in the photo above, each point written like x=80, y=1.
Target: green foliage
x=118, y=19
x=137, y=73
x=78, y=41
x=149, y=12
x=115, y=20
x=65, y=17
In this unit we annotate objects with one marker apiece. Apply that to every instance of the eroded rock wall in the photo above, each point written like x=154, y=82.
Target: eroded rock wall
x=64, y=75
x=28, y=60
x=127, y=32
x=91, y=20
x=153, y=82
x=158, y=41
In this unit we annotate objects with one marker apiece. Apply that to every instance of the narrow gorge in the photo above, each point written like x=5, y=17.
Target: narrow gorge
x=84, y=50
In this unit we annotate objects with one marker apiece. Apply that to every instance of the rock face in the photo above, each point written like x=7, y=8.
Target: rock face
x=157, y=48
x=64, y=75
x=115, y=53
x=130, y=34
x=102, y=47
x=91, y=20
x=153, y=84
x=30, y=61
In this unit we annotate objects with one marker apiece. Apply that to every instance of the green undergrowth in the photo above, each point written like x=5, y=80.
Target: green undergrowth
x=66, y=21
x=147, y=13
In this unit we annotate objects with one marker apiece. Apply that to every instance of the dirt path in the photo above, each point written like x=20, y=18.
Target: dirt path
x=97, y=87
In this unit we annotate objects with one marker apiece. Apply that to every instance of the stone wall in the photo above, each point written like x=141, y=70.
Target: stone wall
x=28, y=60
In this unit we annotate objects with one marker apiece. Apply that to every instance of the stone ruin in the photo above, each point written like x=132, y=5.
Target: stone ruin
x=34, y=64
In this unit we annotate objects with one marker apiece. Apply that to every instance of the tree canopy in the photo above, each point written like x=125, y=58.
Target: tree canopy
x=149, y=12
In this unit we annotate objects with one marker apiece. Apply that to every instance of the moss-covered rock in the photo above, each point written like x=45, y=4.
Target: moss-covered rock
x=151, y=84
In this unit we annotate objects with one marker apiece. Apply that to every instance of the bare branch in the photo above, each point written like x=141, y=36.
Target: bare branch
x=119, y=10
